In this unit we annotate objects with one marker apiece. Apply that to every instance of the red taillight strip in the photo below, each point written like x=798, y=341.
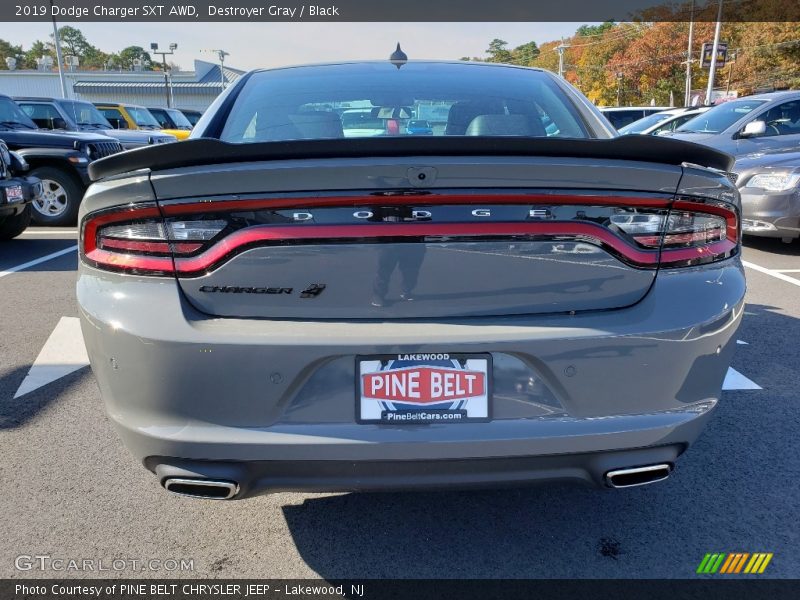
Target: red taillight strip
x=135, y=245
x=134, y=262
x=415, y=200
x=276, y=234
x=697, y=253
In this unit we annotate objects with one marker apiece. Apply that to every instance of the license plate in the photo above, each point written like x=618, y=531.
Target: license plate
x=14, y=194
x=408, y=389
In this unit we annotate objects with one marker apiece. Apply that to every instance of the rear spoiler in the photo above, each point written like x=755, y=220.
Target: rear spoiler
x=208, y=151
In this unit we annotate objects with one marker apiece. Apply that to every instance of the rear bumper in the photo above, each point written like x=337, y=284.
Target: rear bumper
x=258, y=477
x=186, y=387
x=31, y=188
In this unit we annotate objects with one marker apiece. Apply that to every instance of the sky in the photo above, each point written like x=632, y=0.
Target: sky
x=253, y=45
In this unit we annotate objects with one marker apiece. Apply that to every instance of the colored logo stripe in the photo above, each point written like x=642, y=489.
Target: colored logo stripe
x=734, y=563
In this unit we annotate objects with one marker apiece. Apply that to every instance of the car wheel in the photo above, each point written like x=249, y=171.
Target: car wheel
x=11, y=227
x=60, y=199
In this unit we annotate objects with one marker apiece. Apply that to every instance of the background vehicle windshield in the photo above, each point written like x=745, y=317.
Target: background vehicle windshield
x=375, y=99
x=85, y=114
x=11, y=114
x=180, y=120
x=720, y=117
x=142, y=117
x=645, y=123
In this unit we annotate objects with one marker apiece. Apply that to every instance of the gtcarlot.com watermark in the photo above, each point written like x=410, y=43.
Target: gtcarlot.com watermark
x=60, y=564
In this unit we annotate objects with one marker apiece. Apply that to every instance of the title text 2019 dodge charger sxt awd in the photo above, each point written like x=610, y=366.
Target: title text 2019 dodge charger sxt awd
x=274, y=306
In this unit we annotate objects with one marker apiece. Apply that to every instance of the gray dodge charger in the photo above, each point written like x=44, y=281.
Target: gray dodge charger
x=285, y=303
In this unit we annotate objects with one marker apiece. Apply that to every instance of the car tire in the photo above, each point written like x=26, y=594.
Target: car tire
x=60, y=199
x=11, y=227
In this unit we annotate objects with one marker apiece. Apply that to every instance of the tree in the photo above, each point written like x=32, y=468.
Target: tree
x=8, y=50
x=74, y=43
x=37, y=50
x=525, y=54
x=124, y=59
x=497, y=51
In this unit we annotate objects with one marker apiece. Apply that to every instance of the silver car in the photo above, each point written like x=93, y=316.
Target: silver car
x=770, y=189
x=272, y=305
x=761, y=123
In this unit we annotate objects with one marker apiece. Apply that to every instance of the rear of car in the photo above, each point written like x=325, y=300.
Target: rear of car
x=276, y=305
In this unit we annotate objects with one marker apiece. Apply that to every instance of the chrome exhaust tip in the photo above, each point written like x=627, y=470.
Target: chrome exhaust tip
x=207, y=489
x=625, y=478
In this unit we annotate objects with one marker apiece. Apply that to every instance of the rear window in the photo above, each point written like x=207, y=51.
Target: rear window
x=373, y=99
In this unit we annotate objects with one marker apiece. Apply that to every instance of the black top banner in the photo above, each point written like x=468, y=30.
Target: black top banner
x=398, y=10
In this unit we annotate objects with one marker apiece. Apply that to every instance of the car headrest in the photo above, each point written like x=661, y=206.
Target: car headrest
x=318, y=124
x=491, y=125
x=462, y=113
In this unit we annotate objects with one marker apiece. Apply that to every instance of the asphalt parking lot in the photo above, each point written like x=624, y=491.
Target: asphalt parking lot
x=71, y=490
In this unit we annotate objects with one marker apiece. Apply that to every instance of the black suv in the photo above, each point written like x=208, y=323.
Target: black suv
x=79, y=115
x=16, y=194
x=59, y=159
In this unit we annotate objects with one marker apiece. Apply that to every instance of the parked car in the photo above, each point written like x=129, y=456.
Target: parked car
x=359, y=122
x=760, y=123
x=17, y=191
x=662, y=122
x=419, y=127
x=770, y=189
x=272, y=305
x=173, y=121
x=59, y=159
x=192, y=115
x=619, y=116
x=130, y=116
x=79, y=115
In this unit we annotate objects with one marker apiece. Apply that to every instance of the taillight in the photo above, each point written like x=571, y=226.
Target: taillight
x=138, y=240
x=190, y=239
x=693, y=232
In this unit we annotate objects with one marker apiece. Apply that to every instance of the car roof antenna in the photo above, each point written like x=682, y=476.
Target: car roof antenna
x=398, y=57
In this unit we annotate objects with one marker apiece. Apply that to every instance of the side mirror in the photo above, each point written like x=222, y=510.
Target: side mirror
x=59, y=123
x=754, y=129
x=117, y=123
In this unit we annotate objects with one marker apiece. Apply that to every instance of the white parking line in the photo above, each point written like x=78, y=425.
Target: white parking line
x=49, y=232
x=37, y=261
x=63, y=353
x=787, y=270
x=771, y=273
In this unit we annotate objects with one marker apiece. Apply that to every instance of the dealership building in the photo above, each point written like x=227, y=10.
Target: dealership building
x=187, y=89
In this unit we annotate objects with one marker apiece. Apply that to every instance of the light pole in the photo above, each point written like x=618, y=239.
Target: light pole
x=164, y=54
x=57, y=42
x=687, y=97
x=561, y=48
x=713, y=70
x=620, y=77
x=221, y=54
